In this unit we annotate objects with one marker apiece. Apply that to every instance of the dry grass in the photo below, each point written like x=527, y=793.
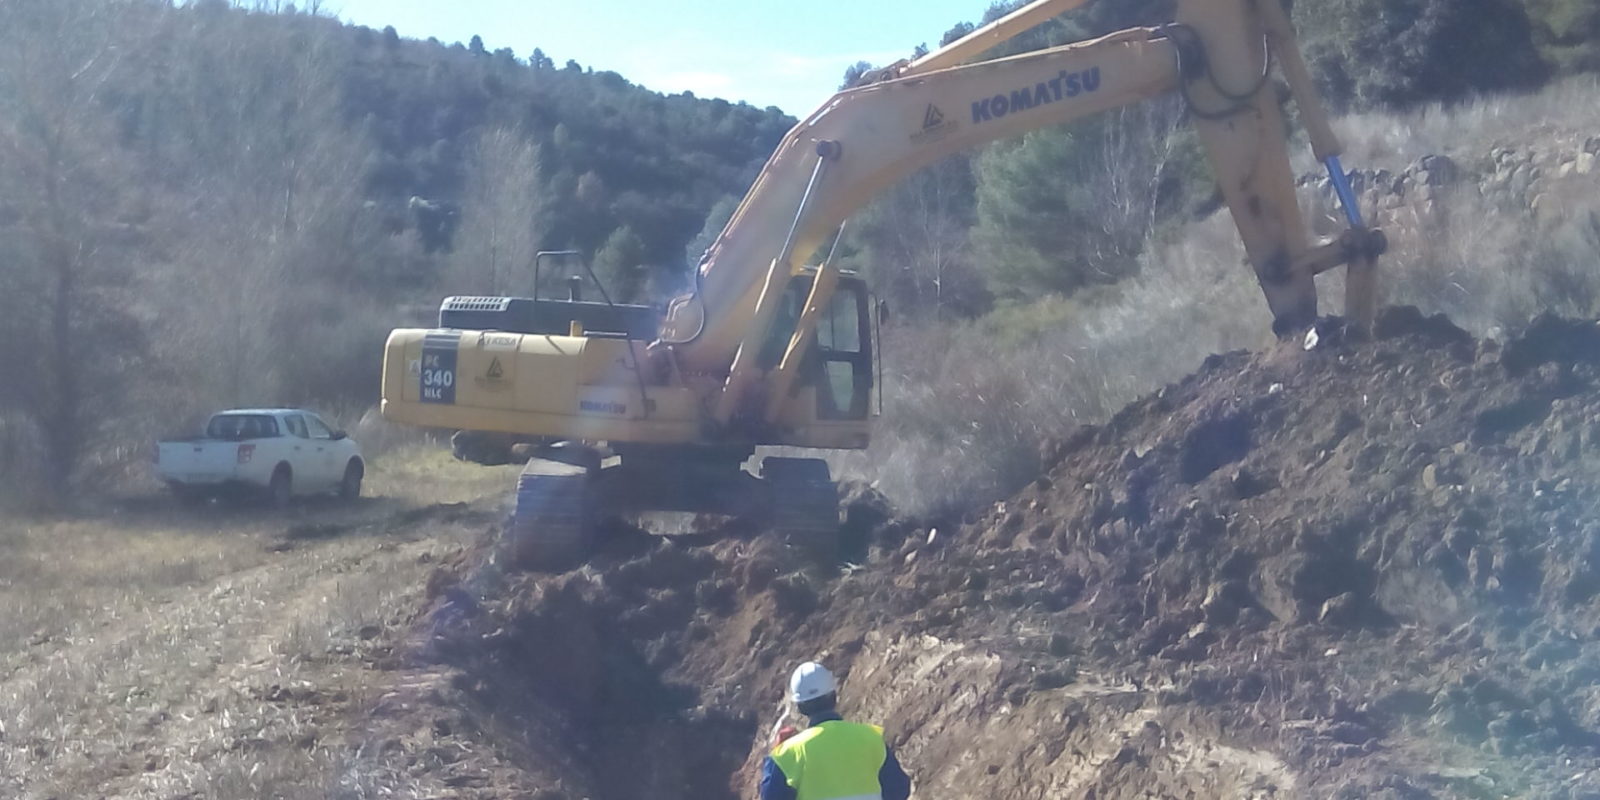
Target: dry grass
x=139, y=647
x=118, y=631
x=425, y=474
x=968, y=408
x=55, y=572
x=1394, y=140
x=1490, y=268
x=349, y=609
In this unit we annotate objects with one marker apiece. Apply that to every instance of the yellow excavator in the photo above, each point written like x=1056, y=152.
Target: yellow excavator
x=626, y=408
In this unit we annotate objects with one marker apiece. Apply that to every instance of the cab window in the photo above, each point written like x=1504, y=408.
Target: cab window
x=839, y=330
x=242, y=426
x=297, y=426
x=844, y=389
x=318, y=430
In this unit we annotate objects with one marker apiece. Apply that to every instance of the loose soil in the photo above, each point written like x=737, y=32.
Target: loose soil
x=1326, y=570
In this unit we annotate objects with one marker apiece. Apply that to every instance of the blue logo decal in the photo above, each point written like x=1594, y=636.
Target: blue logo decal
x=1065, y=86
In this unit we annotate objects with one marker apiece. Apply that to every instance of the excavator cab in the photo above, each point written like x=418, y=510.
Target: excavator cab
x=839, y=364
x=844, y=353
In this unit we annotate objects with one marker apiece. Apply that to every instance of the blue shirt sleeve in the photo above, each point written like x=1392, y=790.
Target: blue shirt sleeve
x=892, y=780
x=774, y=784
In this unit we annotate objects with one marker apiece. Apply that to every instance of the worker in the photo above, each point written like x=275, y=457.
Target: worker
x=831, y=759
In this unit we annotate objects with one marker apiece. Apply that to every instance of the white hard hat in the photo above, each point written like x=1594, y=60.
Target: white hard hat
x=810, y=681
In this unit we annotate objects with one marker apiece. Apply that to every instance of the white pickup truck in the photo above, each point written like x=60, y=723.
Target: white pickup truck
x=283, y=452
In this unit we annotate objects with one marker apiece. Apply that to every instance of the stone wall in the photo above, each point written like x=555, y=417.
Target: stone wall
x=1549, y=181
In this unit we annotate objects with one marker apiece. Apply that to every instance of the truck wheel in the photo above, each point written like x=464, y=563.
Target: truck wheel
x=280, y=490
x=350, y=486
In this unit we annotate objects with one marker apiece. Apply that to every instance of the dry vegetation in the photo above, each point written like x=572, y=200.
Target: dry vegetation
x=149, y=651
x=968, y=404
x=221, y=203
x=426, y=474
x=1395, y=139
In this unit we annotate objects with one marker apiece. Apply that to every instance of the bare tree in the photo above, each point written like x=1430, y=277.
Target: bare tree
x=1137, y=144
x=69, y=341
x=920, y=237
x=502, y=216
x=270, y=217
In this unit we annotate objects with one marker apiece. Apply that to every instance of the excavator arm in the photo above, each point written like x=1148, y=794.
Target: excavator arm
x=606, y=431
x=1217, y=53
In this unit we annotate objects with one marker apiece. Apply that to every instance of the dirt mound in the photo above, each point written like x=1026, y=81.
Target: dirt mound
x=1326, y=570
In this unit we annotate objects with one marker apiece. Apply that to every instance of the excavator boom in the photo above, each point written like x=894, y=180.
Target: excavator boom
x=1217, y=54
x=769, y=351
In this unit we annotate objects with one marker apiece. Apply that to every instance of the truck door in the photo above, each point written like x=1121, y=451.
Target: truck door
x=324, y=452
x=302, y=454
x=330, y=452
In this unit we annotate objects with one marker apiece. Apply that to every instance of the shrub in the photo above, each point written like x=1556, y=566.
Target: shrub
x=968, y=407
x=1398, y=52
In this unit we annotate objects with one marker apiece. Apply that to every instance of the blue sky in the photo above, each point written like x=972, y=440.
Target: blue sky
x=789, y=54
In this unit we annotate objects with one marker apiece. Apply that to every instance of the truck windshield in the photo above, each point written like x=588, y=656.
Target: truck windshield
x=242, y=426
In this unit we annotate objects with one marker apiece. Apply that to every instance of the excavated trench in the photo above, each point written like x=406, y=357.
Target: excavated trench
x=1362, y=570
x=656, y=670
x=575, y=670
x=631, y=676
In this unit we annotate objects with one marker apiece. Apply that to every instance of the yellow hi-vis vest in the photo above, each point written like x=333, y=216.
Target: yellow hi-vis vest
x=834, y=760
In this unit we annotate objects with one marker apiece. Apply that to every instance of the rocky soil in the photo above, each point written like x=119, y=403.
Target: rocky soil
x=1326, y=570
x=1547, y=181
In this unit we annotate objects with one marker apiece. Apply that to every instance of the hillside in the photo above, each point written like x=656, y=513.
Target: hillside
x=632, y=158
x=1065, y=212
x=1329, y=571
x=213, y=206
x=209, y=206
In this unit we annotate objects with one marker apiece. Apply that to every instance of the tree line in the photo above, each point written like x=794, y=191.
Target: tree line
x=213, y=203
x=208, y=205
x=1065, y=212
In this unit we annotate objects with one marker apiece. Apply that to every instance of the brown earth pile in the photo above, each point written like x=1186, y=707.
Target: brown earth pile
x=1345, y=570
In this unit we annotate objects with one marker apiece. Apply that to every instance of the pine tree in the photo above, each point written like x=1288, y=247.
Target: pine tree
x=619, y=265
x=1399, y=52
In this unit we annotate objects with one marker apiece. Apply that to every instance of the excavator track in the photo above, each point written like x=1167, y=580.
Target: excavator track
x=552, y=522
x=805, y=503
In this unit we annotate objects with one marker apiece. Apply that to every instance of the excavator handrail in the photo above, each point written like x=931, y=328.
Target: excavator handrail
x=633, y=355
x=538, y=261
